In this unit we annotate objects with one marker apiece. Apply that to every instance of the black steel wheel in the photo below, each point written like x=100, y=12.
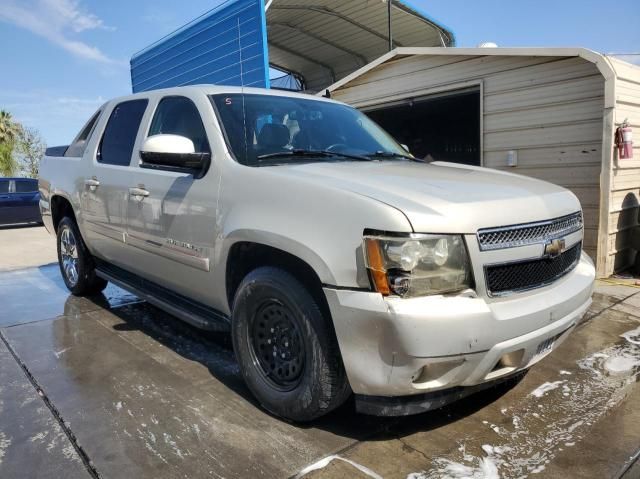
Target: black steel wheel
x=286, y=347
x=277, y=345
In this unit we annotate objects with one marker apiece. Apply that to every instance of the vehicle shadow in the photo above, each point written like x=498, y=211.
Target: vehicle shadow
x=215, y=352
x=17, y=226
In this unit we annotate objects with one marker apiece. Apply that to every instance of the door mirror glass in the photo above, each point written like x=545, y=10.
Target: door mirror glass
x=173, y=152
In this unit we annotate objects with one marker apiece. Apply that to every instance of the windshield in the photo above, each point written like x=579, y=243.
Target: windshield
x=270, y=129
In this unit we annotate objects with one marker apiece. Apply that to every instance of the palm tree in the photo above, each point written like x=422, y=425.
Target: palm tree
x=9, y=131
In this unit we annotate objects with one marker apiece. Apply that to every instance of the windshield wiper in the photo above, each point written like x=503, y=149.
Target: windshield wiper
x=314, y=153
x=391, y=154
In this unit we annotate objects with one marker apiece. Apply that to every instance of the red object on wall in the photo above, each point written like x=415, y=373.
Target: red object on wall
x=624, y=142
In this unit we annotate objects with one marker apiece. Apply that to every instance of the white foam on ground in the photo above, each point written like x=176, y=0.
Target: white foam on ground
x=322, y=463
x=632, y=336
x=621, y=364
x=485, y=469
x=523, y=448
x=4, y=445
x=545, y=388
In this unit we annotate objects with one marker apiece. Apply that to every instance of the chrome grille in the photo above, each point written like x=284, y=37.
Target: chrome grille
x=516, y=276
x=529, y=233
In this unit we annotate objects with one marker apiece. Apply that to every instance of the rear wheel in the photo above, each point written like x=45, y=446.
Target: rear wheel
x=76, y=263
x=286, y=348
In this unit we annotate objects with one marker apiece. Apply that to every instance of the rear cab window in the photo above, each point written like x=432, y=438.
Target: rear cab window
x=119, y=137
x=77, y=147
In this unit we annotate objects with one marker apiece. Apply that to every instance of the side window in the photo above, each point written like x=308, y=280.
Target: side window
x=76, y=149
x=4, y=186
x=26, y=186
x=177, y=115
x=120, y=133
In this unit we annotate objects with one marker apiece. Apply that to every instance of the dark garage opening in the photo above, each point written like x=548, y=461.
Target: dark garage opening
x=437, y=128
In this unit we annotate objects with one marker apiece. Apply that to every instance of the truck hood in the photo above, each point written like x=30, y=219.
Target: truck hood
x=443, y=197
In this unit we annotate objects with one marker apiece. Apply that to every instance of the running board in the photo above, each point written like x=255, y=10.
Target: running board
x=193, y=312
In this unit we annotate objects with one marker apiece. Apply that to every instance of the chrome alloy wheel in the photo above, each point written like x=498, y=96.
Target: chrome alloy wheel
x=69, y=255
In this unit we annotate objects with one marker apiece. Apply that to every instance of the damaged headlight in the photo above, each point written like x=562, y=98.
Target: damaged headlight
x=417, y=265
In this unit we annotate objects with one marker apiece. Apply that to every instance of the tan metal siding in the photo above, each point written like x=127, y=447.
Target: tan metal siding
x=624, y=208
x=549, y=109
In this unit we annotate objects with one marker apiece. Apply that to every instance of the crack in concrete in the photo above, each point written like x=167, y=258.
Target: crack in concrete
x=410, y=447
x=635, y=458
x=88, y=464
x=356, y=443
x=587, y=320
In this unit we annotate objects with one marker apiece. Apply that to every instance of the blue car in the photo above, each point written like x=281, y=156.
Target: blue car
x=19, y=201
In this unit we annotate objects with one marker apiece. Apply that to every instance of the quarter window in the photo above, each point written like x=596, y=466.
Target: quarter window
x=4, y=186
x=177, y=115
x=120, y=134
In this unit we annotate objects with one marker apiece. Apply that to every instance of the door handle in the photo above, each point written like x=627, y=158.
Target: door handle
x=92, y=183
x=138, y=193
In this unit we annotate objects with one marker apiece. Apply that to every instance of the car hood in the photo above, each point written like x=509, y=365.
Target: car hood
x=443, y=197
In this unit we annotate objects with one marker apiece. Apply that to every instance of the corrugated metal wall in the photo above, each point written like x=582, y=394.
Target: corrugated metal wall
x=549, y=109
x=226, y=46
x=625, y=175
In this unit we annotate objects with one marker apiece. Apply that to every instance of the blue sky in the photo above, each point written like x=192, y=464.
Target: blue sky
x=63, y=58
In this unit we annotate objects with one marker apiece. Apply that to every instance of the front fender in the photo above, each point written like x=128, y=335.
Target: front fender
x=283, y=243
x=317, y=222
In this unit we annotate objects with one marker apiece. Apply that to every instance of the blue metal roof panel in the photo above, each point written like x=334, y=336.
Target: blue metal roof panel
x=225, y=46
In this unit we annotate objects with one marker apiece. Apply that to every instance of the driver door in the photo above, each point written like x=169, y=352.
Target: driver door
x=171, y=214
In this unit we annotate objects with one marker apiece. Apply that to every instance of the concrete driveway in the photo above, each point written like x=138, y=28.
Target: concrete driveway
x=111, y=387
x=24, y=246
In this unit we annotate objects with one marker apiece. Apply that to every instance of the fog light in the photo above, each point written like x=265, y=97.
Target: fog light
x=510, y=360
x=507, y=363
x=437, y=374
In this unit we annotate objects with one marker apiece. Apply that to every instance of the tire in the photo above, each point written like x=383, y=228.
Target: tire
x=295, y=369
x=76, y=263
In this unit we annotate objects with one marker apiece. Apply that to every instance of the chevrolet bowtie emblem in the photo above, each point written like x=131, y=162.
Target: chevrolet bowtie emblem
x=554, y=248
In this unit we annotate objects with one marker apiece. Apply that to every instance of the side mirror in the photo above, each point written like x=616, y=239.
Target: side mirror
x=173, y=152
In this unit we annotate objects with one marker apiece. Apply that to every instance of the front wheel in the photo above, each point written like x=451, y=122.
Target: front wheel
x=286, y=348
x=76, y=263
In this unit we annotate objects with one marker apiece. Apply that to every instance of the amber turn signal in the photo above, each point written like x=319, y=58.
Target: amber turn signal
x=375, y=263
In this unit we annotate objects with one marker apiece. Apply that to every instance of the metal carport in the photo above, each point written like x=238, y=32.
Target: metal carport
x=322, y=41
x=317, y=41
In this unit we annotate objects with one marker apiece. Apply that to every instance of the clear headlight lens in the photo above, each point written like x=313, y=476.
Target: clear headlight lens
x=417, y=265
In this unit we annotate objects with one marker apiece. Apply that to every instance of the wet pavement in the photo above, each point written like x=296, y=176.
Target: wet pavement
x=112, y=387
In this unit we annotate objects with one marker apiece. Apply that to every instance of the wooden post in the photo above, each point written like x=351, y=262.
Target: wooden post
x=389, y=2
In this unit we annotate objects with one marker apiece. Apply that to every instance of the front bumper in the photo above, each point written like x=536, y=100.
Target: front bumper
x=401, y=347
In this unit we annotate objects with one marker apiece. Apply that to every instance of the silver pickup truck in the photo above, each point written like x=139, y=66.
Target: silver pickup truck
x=339, y=263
